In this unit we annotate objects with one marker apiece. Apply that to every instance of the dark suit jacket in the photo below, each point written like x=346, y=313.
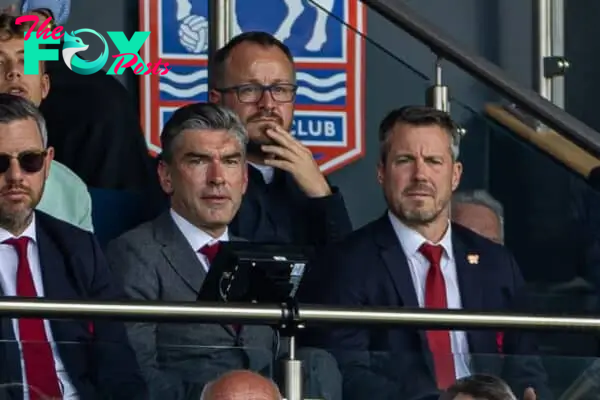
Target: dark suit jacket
x=280, y=212
x=370, y=269
x=100, y=138
x=96, y=354
x=156, y=262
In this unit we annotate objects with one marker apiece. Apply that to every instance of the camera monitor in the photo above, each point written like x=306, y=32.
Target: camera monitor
x=255, y=272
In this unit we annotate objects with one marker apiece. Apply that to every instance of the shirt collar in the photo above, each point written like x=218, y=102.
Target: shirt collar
x=29, y=232
x=195, y=236
x=411, y=240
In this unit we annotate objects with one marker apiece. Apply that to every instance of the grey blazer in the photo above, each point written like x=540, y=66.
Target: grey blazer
x=156, y=262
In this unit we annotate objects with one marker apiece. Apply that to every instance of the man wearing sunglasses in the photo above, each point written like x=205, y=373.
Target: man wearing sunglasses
x=42, y=256
x=66, y=196
x=288, y=198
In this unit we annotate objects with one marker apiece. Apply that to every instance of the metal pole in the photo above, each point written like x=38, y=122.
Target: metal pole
x=557, y=47
x=293, y=374
x=544, y=50
x=219, y=27
x=218, y=22
x=222, y=313
x=437, y=95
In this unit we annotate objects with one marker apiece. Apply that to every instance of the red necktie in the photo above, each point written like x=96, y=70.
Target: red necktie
x=210, y=251
x=435, y=297
x=37, y=354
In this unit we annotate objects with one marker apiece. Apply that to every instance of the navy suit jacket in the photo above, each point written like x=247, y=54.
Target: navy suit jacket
x=96, y=354
x=370, y=269
x=280, y=212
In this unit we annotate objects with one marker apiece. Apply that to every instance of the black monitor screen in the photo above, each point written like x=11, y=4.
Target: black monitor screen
x=255, y=272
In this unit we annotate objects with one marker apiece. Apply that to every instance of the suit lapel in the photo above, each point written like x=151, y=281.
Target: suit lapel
x=181, y=256
x=55, y=273
x=178, y=252
x=395, y=261
x=397, y=264
x=57, y=267
x=468, y=270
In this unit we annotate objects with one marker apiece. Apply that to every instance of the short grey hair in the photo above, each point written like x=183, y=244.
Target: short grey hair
x=16, y=108
x=201, y=116
x=480, y=386
x=481, y=197
x=419, y=116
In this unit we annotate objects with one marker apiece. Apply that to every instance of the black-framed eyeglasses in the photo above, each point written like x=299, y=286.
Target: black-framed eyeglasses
x=253, y=92
x=29, y=161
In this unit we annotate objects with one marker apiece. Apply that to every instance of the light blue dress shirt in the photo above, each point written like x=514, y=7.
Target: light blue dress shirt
x=59, y=8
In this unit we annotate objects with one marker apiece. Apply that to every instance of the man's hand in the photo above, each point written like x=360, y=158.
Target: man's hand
x=292, y=156
x=529, y=394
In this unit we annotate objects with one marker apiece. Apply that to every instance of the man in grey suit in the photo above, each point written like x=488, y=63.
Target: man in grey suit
x=203, y=170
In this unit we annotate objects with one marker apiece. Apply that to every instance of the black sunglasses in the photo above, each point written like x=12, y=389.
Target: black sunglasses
x=29, y=161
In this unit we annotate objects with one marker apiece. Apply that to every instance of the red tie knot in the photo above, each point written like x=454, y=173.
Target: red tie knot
x=433, y=253
x=20, y=244
x=210, y=251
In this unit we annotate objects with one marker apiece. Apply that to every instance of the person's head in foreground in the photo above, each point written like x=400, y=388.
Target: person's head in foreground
x=241, y=385
x=24, y=161
x=479, y=387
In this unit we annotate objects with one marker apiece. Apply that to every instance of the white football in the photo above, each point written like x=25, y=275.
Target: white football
x=193, y=33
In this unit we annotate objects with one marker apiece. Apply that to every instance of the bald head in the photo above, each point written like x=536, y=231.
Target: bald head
x=241, y=385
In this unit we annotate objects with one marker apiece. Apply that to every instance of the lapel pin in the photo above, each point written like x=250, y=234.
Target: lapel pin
x=473, y=258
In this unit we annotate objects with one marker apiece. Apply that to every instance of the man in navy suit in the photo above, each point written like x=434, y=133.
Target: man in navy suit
x=414, y=257
x=42, y=256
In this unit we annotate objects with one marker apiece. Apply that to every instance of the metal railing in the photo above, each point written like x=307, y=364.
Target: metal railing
x=227, y=313
x=289, y=318
x=441, y=43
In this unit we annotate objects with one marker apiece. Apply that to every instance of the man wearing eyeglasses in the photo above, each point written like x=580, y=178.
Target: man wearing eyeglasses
x=66, y=196
x=288, y=198
x=44, y=257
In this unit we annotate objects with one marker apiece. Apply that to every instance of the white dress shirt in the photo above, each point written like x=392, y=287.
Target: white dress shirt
x=9, y=261
x=411, y=241
x=266, y=171
x=196, y=237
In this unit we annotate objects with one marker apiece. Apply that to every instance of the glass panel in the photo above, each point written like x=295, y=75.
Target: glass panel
x=387, y=376
x=544, y=220
x=362, y=375
x=541, y=198
x=348, y=82
x=181, y=371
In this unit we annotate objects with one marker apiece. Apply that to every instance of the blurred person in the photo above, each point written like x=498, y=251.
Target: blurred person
x=238, y=385
x=288, y=198
x=44, y=257
x=102, y=132
x=58, y=10
x=481, y=387
x=480, y=212
x=414, y=257
x=203, y=170
x=66, y=196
